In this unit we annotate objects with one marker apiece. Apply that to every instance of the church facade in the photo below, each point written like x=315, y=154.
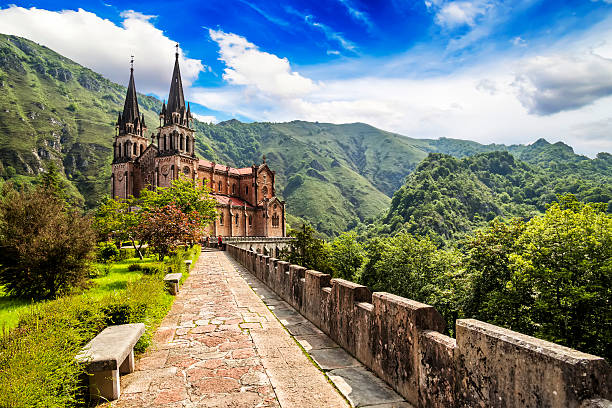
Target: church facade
x=246, y=201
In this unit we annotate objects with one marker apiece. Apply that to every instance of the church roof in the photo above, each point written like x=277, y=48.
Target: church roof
x=232, y=170
x=226, y=200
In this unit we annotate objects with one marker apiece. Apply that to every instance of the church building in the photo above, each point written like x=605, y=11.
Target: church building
x=246, y=201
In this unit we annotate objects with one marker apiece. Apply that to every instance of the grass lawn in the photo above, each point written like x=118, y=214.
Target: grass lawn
x=10, y=308
x=117, y=279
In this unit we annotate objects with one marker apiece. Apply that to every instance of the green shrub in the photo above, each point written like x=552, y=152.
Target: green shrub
x=46, y=246
x=126, y=253
x=107, y=251
x=134, y=267
x=153, y=268
x=37, y=366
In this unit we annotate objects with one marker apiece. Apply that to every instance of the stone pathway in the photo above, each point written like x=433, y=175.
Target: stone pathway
x=220, y=346
x=359, y=386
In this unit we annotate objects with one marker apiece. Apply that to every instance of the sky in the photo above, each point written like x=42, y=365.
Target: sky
x=492, y=71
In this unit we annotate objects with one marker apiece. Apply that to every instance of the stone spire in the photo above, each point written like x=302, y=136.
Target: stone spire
x=129, y=121
x=176, y=99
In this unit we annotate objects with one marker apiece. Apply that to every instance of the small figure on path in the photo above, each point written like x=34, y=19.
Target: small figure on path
x=220, y=243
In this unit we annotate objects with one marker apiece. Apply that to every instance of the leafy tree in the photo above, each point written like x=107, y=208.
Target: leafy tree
x=488, y=262
x=346, y=256
x=414, y=268
x=45, y=247
x=565, y=261
x=119, y=220
x=186, y=194
x=308, y=251
x=168, y=227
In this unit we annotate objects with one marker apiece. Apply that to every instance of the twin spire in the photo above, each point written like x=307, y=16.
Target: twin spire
x=175, y=111
x=131, y=121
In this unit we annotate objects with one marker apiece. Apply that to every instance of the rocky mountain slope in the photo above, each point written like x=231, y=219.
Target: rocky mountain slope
x=334, y=176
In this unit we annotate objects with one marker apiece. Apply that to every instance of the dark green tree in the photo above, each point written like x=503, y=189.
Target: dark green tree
x=45, y=246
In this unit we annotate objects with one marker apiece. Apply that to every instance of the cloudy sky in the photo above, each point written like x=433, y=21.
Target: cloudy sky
x=493, y=71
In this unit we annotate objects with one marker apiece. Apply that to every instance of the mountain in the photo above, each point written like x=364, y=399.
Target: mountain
x=53, y=109
x=447, y=197
x=333, y=176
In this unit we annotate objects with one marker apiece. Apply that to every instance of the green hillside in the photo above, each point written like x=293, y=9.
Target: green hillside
x=334, y=176
x=51, y=108
x=447, y=197
x=331, y=175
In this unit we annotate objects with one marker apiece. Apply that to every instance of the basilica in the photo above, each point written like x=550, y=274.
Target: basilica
x=246, y=200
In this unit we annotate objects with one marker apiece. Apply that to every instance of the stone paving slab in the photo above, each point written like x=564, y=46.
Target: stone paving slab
x=360, y=387
x=364, y=389
x=220, y=346
x=333, y=358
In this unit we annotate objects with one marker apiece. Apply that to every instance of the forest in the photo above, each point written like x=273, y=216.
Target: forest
x=488, y=237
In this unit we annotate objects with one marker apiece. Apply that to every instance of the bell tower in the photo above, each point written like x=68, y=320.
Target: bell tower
x=129, y=143
x=175, y=137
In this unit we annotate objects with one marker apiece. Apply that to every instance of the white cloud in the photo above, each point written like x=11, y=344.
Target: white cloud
x=358, y=15
x=247, y=65
x=205, y=118
x=551, y=84
x=482, y=103
x=454, y=14
x=103, y=46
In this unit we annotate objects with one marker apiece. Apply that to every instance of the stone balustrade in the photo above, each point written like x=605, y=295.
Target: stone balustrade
x=401, y=341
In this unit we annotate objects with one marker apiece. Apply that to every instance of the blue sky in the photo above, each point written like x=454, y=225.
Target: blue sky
x=487, y=70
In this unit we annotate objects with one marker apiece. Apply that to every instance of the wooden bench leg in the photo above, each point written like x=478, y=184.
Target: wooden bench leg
x=128, y=364
x=104, y=384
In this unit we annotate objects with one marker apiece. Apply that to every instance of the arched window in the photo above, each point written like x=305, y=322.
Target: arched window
x=221, y=219
x=141, y=149
x=236, y=218
x=275, y=220
x=165, y=142
x=233, y=188
x=219, y=186
x=182, y=142
x=250, y=220
x=187, y=143
x=120, y=147
x=264, y=191
x=135, y=150
x=246, y=190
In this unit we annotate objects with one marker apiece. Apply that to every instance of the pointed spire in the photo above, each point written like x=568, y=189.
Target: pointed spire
x=131, y=114
x=176, y=99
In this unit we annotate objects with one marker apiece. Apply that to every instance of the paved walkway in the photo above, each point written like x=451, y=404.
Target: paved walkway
x=220, y=346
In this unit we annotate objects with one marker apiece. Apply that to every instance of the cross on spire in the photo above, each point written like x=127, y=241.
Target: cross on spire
x=177, y=47
x=132, y=63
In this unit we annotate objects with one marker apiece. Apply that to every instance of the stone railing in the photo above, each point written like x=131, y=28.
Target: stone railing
x=402, y=342
x=257, y=239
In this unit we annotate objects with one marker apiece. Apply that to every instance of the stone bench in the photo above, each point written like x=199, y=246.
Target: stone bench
x=172, y=282
x=108, y=355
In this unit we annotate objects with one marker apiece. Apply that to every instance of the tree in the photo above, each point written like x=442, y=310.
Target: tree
x=45, y=246
x=309, y=251
x=174, y=215
x=186, y=194
x=346, y=256
x=414, y=268
x=119, y=220
x=488, y=260
x=564, y=258
x=168, y=227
